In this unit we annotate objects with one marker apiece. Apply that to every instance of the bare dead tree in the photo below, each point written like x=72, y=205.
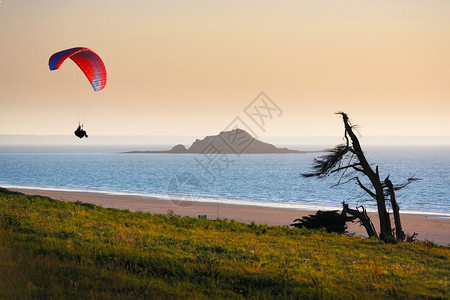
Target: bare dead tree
x=350, y=158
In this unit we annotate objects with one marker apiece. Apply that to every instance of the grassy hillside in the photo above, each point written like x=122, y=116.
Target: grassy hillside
x=56, y=250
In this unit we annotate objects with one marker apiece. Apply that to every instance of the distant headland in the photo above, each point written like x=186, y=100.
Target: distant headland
x=236, y=141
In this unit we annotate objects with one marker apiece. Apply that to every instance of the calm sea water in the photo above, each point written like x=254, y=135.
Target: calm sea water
x=255, y=179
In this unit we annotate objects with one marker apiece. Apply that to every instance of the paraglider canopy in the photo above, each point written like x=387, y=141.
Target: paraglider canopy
x=87, y=60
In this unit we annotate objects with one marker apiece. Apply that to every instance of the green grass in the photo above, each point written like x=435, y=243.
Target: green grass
x=57, y=250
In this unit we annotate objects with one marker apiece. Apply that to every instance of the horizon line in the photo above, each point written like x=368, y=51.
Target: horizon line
x=184, y=135
x=98, y=140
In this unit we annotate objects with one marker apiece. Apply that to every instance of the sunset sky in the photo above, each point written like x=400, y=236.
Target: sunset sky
x=192, y=67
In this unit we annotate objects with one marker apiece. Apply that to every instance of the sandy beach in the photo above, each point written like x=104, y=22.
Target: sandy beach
x=429, y=227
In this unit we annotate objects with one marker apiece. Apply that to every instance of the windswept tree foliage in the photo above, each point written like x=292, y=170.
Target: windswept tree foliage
x=331, y=221
x=349, y=161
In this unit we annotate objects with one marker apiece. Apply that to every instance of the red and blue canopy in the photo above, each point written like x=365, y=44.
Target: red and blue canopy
x=87, y=60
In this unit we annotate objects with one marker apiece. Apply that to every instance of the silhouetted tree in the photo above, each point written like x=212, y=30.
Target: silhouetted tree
x=332, y=221
x=351, y=157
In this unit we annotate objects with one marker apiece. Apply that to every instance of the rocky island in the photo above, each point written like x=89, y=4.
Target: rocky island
x=236, y=141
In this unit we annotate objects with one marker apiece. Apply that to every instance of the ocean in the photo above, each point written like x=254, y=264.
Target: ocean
x=272, y=180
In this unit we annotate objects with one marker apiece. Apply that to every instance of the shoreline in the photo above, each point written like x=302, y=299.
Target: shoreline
x=431, y=227
x=233, y=202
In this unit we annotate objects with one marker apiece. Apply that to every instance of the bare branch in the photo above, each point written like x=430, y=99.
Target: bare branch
x=409, y=180
x=363, y=217
x=359, y=170
x=339, y=182
x=372, y=194
x=398, y=186
x=346, y=167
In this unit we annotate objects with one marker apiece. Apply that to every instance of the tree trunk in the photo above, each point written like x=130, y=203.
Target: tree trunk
x=363, y=218
x=385, y=223
x=399, y=234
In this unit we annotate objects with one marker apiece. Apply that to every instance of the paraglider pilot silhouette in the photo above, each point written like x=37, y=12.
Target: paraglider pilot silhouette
x=90, y=63
x=80, y=132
